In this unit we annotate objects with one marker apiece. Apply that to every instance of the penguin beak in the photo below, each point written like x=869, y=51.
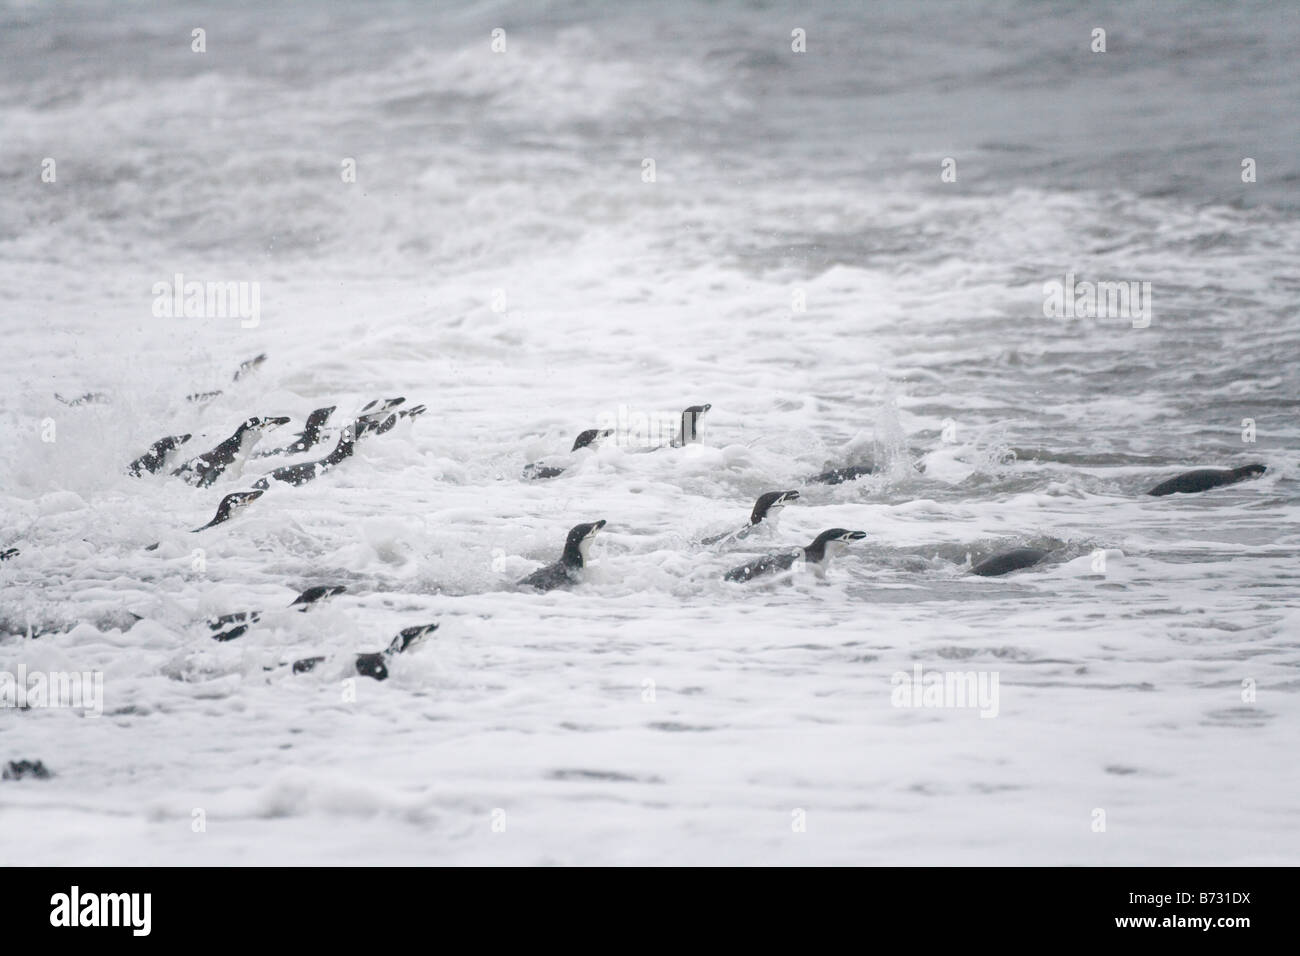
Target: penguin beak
x=855, y=536
x=274, y=422
x=596, y=527
x=789, y=496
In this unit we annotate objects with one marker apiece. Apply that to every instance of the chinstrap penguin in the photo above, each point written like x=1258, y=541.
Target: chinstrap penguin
x=1203, y=479
x=567, y=570
x=767, y=509
x=309, y=437
x=591, y=438
x=155, y=459
x=689, y=431
x=1014, y=560
x=376, y=664
x=816, y=556
x=302, y=473
x=230, y=506
x=230, y=455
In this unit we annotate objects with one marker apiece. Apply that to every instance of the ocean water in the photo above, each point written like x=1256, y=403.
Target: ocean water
x=799, y=263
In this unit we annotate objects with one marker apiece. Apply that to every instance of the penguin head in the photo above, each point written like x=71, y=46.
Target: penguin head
x=832, y=542
x=692, y=418
x=578, y=544
x=591, y=438
x=768, y=506
x=264, y=424
x=236, y=500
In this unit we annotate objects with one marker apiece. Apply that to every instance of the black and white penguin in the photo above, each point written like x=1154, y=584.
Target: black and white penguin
x=376, y=665
x=567, y=570
x=242, y=621
x=302, y=473
x=7, y=553
x=816, y=556
x=1014, y=560
x=315, y=595
x=249, y=366
x=591, y=438
x=155, y=459
x=767, y=509
x=1203, y=479
x=689, y=431
x=90, y=398
x=376, y=423
x=837, y=476
x=245, y=619
x=230, y=506
x=309, y=437
x=230, y=455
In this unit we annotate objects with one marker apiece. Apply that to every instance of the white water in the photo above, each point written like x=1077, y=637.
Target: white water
x=1120, y=691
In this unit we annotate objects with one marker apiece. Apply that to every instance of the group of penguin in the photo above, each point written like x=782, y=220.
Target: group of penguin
x=377, y=417
x=817, y=555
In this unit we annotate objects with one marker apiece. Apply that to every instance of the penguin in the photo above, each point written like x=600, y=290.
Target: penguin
x=591, y=438
x=308, y=437
x=767, y=509
x=249, y=366
x=837, y=476
x=816, y=555
x=376, y=423
x=245, y=619
x=230, y=505
x=380, y=405
x=202, y=398
x=1203, y=479
x=90, y=398
x=242, y=619
x=567, y=570
x=305, y=472
x=155, y=459
x=315, y=595
x=230, y=454
x=8, y=553
x=1014, y=560
x=17, y=769
x=689, y=432
x=376, y=664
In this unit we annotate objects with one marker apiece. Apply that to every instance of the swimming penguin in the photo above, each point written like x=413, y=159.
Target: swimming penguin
x=242, y=619
x=316, y=594
x=1008, y=561
x=308, y=437
x=816, y=556
x=837, y=476
x=230, y=505
x=250, y=365
x=376, y=665
x=90, y=398
x=230, y=454
x=378, y=423
x=590, y=438
x=689, y=432
x=305, y=472
x=245, y=619
x=567, y=570
x=8, y=553
x=1203, y=479
x=155, y=459
x=767, y=509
